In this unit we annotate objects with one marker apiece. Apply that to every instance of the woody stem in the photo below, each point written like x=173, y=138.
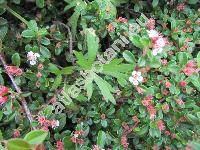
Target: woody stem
x=17, y=88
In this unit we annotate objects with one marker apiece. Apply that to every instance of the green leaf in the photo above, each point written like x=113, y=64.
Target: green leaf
x=1, y=136
x=155, y=3
x=195, y=81
x=45, y=52
x=40, y=3
x=42, y=32
x=101, y=139
x=3, y=28
x=45, y=41
x=104, y=123
x=2, y=1
x=195, y=145
x=81, y=60
x=28, y=33
x=36, y=136
x=146, y=42
x=1, y=115
x=32, y=25
x=92, y=44
x=67, y=70
x=68, y=144
x=155, y=62
x=16, y=59
x=118, y=2
x=89, y=87
x=183, y=58
x=57, y=82
x=193, y=1
x=16, y=1
x=73, y=22
x=105, y=88
x=142, y=130
x=154, y=132
x=1, y=80
x=136, y=41
x=18, y=144
x=53, y=69
x=198, y=59
x=192, y=118
x=25, y=94
x=128, y=56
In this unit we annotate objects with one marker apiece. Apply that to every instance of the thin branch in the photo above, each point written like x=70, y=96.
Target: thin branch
x=70, y=38
x=16, y=15
x=17, y=88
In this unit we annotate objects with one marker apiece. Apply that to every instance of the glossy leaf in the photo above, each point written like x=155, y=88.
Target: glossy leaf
x=36, y=136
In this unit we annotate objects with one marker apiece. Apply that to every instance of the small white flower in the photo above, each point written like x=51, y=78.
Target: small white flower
x=153, y=33
x=76, y=135
x=160, y=42
x=55, y=123
x=37, y=55
x=136, y=77
x=156, y=51
x=32, y=57
x=32, y=62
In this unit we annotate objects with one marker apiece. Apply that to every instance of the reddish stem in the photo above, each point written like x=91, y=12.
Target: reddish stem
x=17, y=88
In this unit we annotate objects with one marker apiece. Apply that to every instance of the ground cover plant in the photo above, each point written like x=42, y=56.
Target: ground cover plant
x=99, y=74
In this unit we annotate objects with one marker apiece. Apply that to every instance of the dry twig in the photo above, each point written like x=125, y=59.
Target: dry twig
x=70, y=38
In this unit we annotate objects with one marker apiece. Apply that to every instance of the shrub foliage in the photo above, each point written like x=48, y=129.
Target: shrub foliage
x=99, y=74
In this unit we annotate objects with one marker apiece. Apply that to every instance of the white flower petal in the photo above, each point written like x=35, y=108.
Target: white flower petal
x=37, y=55
x=153, y=33
x=32, y=62
x=135, y=82
x=131, y=79
x=139, y=73
x=140, y=78
x=30, y=53
x=160, y=42
x=57, y=123
x=134, y=73
x=155, y=52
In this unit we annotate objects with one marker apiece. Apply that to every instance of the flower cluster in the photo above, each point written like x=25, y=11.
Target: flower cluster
x=122, y=20
x=16, y=133
x=124, y=142
x=47, y=123
x=190, y=68
x=160, y=125
x=3, y=91
x=181, y=7
x=136, y=78
x=147, y=102
x=165, y=107
x=151, y=24
x=110, y=27
x=158, y=41
x=180, y=102
x=14, y=70
x=59, y=145
x=32, y=57
x=75, y=138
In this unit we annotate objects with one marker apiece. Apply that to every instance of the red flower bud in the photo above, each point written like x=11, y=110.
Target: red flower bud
x=167, y=84
x=182, y=83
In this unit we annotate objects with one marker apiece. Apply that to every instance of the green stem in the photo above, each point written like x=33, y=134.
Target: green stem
x=17, y=15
